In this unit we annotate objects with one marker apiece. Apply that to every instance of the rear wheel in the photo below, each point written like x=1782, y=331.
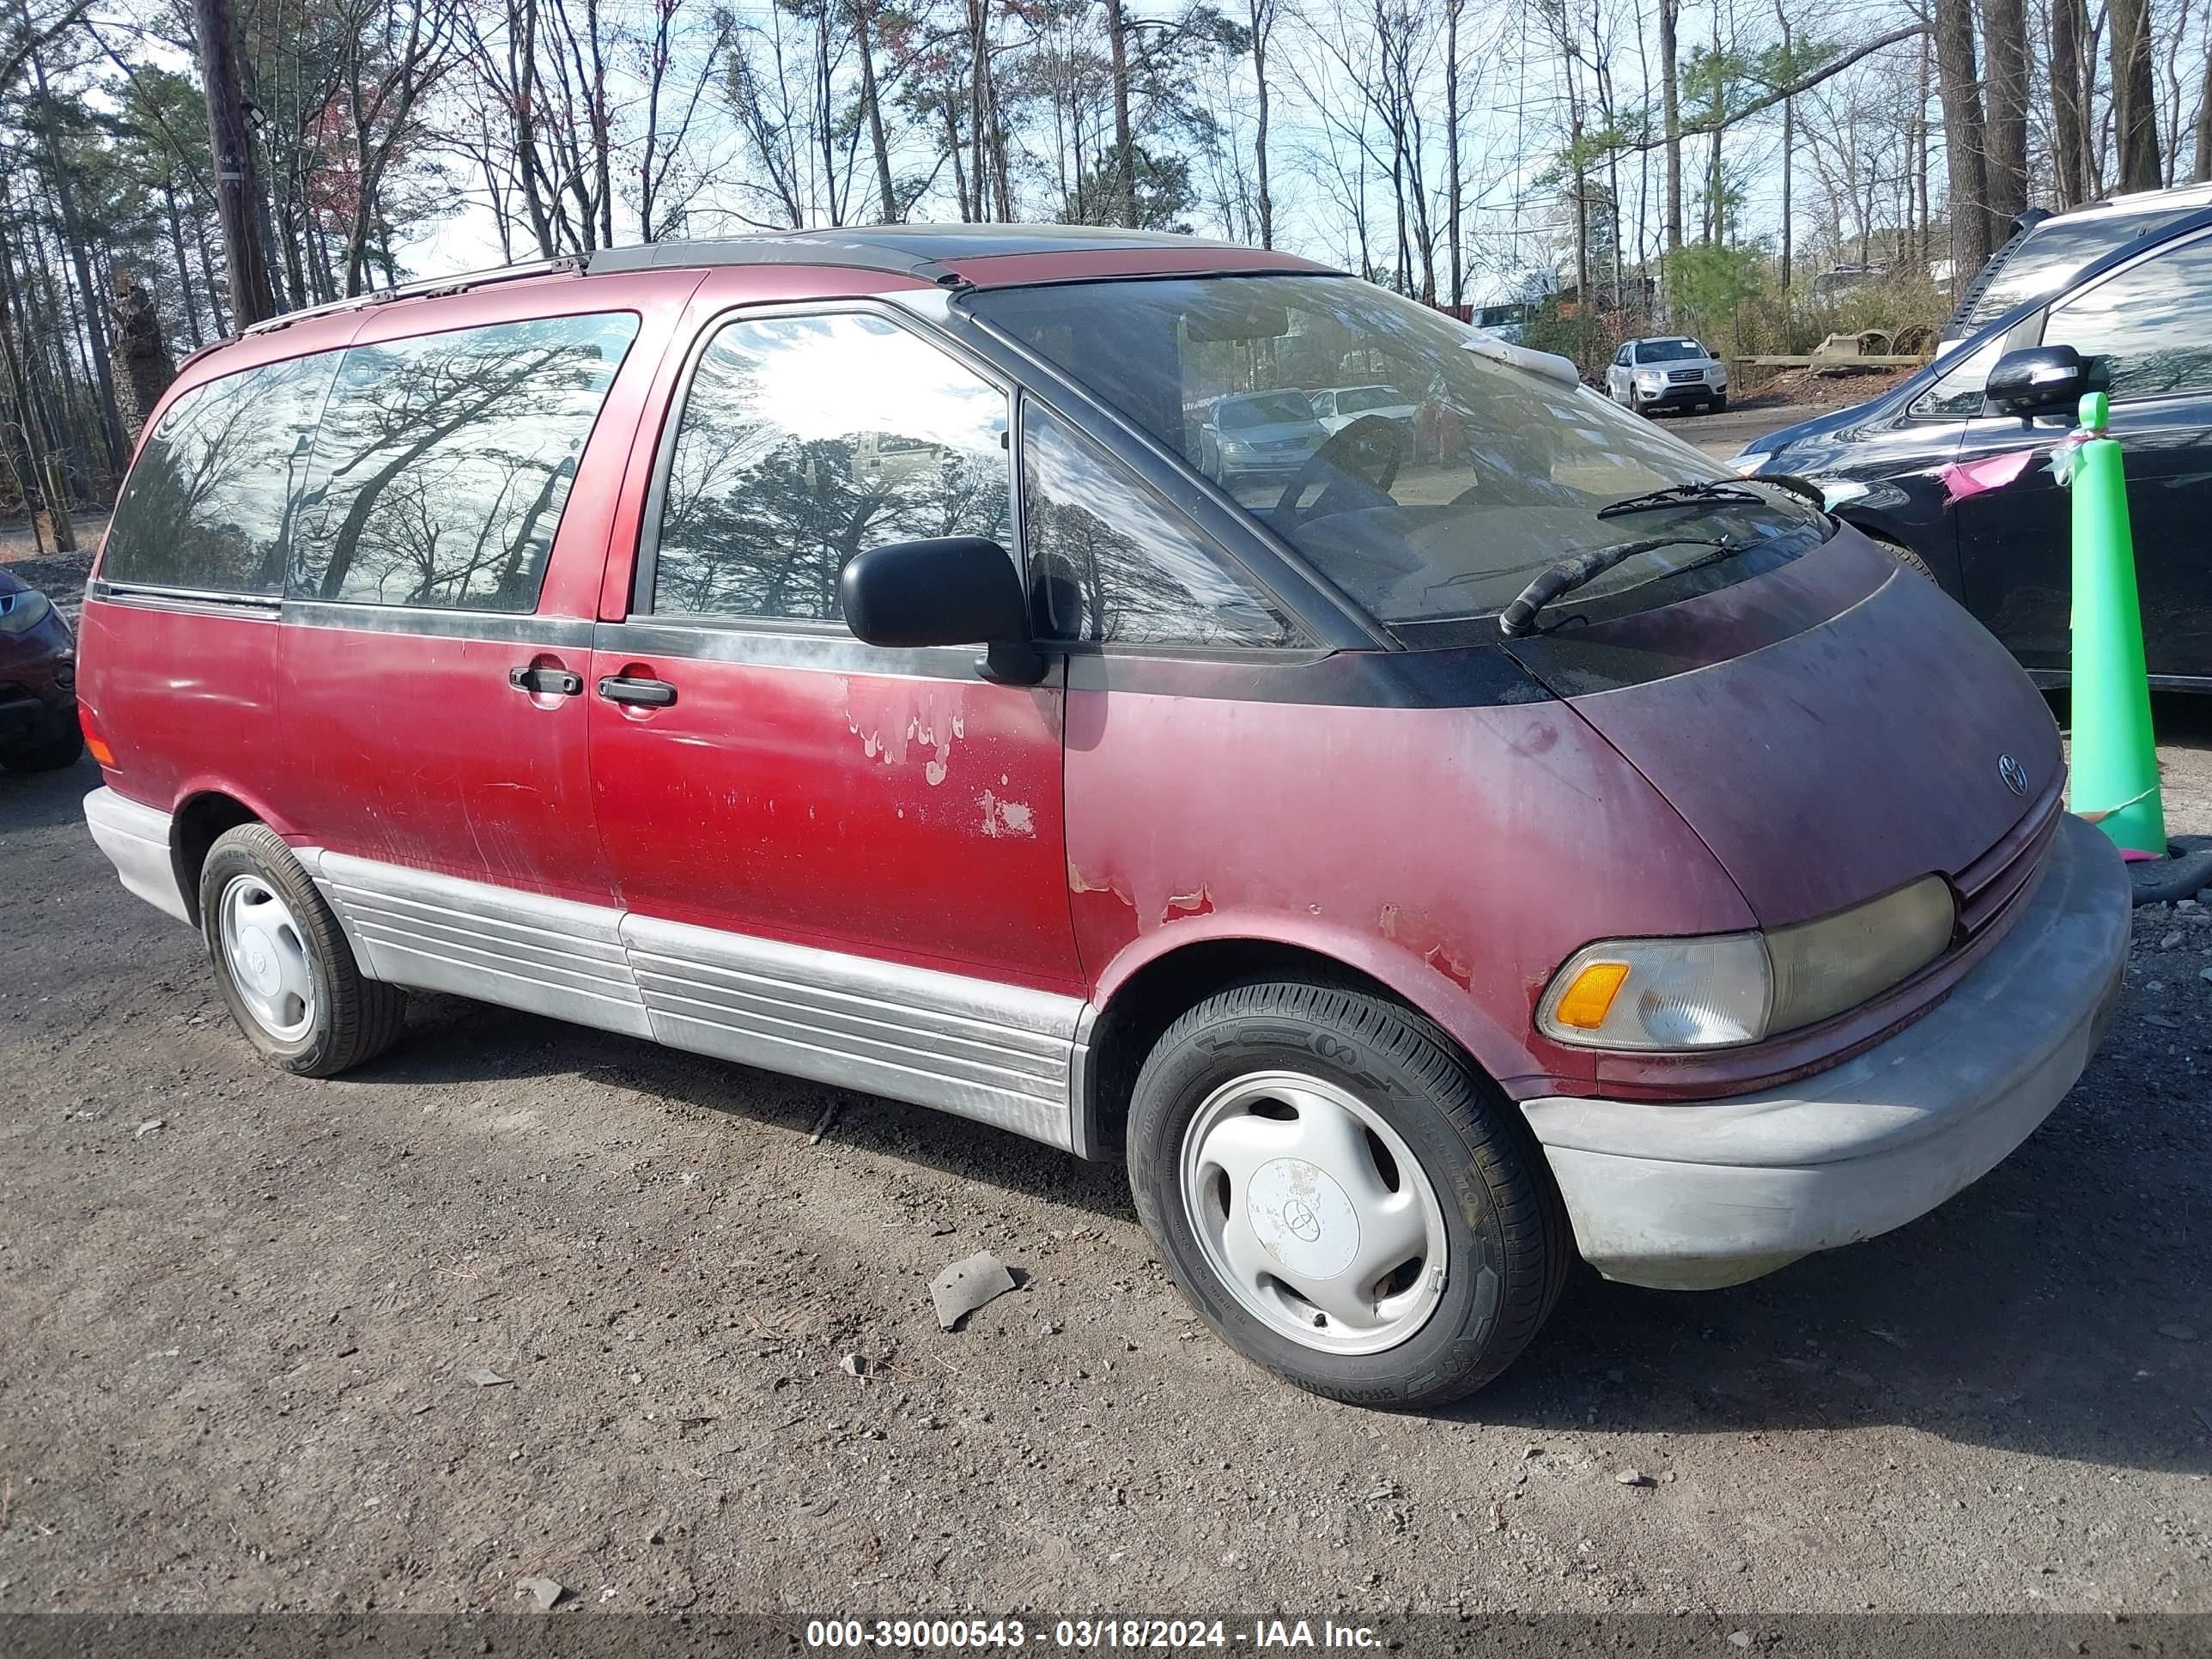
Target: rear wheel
x=283, y=964
x=50, y=755
x=1341, y=1197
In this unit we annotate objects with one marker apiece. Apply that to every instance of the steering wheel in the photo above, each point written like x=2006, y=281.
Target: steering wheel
x=1363, y=456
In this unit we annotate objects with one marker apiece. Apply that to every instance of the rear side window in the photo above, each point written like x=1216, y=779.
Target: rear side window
x=804, y=441
x=2152, y=324
x=444, y=461
x=206, y=506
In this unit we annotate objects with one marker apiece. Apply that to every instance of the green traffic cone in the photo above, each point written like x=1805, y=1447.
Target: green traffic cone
x=2115, y=777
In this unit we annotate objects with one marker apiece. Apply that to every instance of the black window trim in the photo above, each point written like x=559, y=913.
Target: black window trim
x=645, y=565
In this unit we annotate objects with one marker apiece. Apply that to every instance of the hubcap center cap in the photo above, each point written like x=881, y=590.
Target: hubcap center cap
x=260, y=957
x=1302, y=1217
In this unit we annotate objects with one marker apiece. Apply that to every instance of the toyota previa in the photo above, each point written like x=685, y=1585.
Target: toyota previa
x=1428, y=851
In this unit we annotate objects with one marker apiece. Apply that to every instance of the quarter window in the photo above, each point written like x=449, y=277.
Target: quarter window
x=2152, y=324
x=1958, y=394
x=806, y=439
x=1109, y=564
x=208, y=505
x=444, y=461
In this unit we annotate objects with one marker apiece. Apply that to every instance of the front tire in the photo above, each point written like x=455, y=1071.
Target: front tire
x=1720, y=404
x=283, y=962
x=1345, y=1199
x=1903, y=555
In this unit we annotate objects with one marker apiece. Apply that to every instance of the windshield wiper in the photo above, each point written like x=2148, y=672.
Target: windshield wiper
x=1519, y=617
x=1679, y=495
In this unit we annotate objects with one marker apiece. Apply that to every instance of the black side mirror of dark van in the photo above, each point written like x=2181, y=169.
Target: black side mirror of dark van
x=945, y=589
x=2038, y=378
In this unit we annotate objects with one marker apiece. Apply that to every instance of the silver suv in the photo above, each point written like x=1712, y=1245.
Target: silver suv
x=1665, y=371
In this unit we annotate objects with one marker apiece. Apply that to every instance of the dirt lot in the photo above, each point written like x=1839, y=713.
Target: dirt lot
x=241, y=1311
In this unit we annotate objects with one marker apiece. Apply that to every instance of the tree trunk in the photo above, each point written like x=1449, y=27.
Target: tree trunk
x=183, y=270
x=2069, y=101
x=888, y=213
x=1788, y=146
x=237, y=183
x=2202, y=172
x=87, y=297
x=2004, y=31
x=1962, y=138
x=1262, y=23
x=144, y=368
x=2135, y=104
x=1670, y=84
x=1125, y=143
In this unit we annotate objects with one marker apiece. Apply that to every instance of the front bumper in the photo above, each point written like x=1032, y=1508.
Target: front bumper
x=1697, y=1195
x=27, y=720
x=1674, y=397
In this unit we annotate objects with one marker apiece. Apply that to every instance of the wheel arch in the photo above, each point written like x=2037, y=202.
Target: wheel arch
x=1153, y=982
x=200, y=818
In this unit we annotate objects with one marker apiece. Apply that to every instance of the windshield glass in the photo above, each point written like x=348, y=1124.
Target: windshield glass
x=1668, y=352
x=1441, y=513
x=1276, y=410
x=1362, y=398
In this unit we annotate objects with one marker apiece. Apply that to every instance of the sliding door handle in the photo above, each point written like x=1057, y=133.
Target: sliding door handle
x=546, y=682
x=648, y=694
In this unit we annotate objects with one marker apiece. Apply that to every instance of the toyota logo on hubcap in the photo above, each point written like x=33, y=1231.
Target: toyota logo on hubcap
x=1299, y=1218
x=2013, y=774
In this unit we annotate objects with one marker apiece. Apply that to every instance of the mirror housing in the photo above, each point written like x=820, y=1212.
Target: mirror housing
x=944, y=590
x=2037, y=380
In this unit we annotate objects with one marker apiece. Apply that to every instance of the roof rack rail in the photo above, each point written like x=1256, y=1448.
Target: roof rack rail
x=426, y=288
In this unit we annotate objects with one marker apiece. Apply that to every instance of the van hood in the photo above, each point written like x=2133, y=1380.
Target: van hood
x=1831, y=729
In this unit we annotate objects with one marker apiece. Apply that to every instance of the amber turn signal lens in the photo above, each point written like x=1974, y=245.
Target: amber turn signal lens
x=1589, y=999
x=94, y=744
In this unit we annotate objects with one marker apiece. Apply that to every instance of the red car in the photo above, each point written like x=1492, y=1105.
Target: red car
x=822, y=651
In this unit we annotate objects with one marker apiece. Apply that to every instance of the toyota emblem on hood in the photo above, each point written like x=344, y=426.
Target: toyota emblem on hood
x=2013, y=774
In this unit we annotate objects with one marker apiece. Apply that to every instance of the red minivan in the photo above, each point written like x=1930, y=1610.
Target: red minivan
x=1481, y=835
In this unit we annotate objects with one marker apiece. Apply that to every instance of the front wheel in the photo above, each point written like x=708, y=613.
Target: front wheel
x=1341, y=1197
x=1720, y=404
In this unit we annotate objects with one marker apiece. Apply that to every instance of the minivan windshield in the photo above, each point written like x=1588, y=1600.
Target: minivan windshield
x=1444, y=508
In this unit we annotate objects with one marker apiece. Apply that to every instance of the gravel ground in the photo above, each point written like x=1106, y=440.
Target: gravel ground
x=251, y=1321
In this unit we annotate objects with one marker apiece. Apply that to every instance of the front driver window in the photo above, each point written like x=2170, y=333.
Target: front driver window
x=805, y=440
x=2152, y=324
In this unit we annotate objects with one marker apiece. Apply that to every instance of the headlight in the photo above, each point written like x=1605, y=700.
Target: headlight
x=1750, y=461
x=1234, y=445
x=1729, y=990
x=21, y=612
x=1650, y=377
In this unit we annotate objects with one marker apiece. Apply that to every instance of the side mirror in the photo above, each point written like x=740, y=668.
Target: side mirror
x=2037, y=379
x=947, y=590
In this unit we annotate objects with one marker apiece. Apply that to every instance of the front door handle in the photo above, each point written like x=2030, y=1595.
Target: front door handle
x=650, y=694
x=546, y=682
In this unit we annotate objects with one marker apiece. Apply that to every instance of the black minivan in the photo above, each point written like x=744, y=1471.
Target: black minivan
x=2138, y=324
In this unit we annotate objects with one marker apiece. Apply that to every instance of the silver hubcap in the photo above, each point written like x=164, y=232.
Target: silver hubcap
x=1313, y=1213
x=267, y=959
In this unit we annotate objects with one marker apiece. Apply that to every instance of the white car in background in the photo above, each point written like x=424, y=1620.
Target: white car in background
x=1338, y=406
x=1665, y=371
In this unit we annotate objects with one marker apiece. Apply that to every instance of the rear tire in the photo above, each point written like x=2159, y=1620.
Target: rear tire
x=283, y=962
x=50, y=755
x=1270, y=1132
